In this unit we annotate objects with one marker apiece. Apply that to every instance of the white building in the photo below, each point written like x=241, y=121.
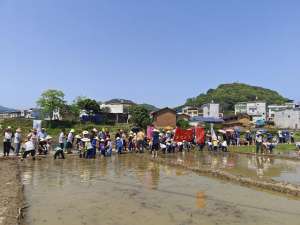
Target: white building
x=192, y=111
x=287, y=118
x=258, y=110
x=10, y=114
x=211, y=110
x=118, y=106
x=272, y=109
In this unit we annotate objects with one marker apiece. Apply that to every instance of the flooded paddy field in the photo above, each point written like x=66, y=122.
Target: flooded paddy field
x=255, y=167
x=128, y=189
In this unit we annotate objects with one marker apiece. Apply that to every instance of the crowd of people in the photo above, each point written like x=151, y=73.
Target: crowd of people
x=264, y=141
x=90, y=144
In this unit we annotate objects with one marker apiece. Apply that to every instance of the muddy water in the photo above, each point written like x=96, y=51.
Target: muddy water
x=258, y=167
x=132, y=190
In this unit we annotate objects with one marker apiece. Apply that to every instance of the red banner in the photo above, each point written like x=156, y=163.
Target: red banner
x=183, y=135
x=200, y=135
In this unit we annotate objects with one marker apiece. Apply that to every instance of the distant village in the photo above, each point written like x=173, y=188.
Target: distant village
x=257, y=113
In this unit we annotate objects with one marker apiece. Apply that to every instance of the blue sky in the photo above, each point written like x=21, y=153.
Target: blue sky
x=155, y=51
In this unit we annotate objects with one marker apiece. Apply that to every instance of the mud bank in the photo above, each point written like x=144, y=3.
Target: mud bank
x=270, y=185
x=11, y=195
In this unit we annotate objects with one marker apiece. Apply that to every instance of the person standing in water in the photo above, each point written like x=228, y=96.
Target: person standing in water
x=70, y=140
x=8, y=135
x=61, y=139
x=18, y=141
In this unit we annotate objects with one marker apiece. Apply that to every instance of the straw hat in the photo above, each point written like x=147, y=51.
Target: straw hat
x=85, y=132
x=48, y=137
x=78, y=136
x=95, y=130
x=102, y=140
x=85, y=139
x=72, y=131
x=118, y=138
x=19, y=130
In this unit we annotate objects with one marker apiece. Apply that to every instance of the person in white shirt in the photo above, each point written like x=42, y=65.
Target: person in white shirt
x=17, y=141
x=29, y=148
x=8, y=135
x=61, y=139
x=70, y=140
x=42, y=134
x=259, y=141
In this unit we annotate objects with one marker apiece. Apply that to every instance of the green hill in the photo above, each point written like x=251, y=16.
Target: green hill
x=230, y=94
x=150, y=108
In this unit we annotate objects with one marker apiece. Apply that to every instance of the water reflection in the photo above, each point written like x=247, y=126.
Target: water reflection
x=260, y=167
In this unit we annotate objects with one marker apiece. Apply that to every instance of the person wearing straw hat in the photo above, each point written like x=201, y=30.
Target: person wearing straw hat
x=18, y=141
x=29, y=148
x=88, y=148
x=70, y=140
x=155, y=143
x=8, y=135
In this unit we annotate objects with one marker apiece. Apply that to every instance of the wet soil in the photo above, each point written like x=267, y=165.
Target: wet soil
x=11, y=194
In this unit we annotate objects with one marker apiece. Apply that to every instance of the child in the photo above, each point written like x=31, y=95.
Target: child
x=95, y=144
x=119, y=145
x=102, y=147
x=108, y=147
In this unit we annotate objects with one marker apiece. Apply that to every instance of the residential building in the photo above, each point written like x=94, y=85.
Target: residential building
x=272, y=109
x=287, y=118
x=165, y=117
x=183, y=116
x=10, y=114
x=192, y=111
x=211, y=110
x=117, y=106
x=257, y=110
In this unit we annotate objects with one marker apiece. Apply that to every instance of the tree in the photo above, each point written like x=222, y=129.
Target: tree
x=91, y=106
x=139, y=116
x=70, y=111
x=51, y=100
x=183, y=124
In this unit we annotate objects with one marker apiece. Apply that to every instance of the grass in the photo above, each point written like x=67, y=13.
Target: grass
x=280, y=148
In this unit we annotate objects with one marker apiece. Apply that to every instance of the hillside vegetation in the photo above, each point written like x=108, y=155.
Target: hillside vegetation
x=230, y=94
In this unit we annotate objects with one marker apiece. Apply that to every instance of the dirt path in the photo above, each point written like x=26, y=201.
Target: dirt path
x=11, y=194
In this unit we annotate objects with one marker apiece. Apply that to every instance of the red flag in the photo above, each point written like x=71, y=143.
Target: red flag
x=183, y=135
x=200, y=135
